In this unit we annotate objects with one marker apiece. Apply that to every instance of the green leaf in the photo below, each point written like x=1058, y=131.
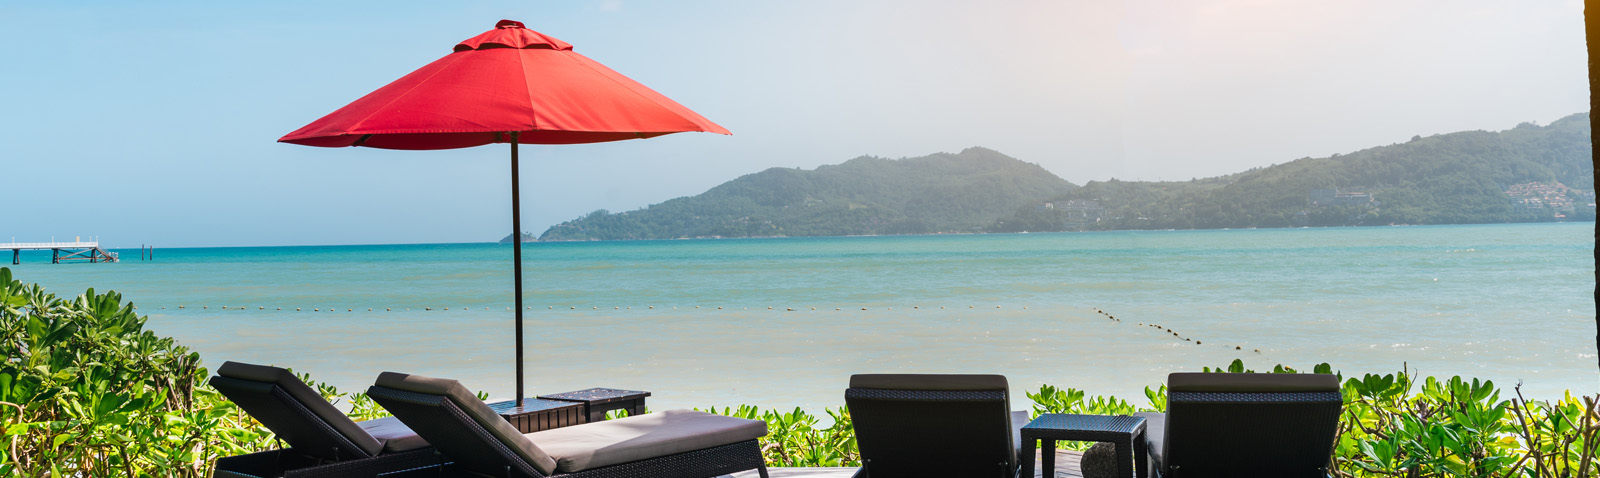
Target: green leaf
x=18, y=428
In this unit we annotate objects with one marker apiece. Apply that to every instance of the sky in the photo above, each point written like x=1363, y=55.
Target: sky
x=156, y=122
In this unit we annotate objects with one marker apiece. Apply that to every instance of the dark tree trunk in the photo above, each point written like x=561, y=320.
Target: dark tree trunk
x=1593, y=36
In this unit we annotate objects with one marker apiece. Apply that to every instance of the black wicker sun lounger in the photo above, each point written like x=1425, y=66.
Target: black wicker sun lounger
x=934, y=425
x=1243, y=425
x=477, y=442
x=323, y=442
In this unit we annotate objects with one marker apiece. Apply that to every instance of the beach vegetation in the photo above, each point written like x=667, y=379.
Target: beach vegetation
x=796, y=438
x=87, y=391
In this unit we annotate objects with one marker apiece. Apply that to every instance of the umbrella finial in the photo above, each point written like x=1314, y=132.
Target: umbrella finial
x=512, y=34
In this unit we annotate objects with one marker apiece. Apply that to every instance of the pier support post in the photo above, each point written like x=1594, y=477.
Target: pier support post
x=16, y=257
x=55, y=256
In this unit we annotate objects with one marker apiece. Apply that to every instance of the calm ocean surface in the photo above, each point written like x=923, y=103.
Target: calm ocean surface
x=690, y=320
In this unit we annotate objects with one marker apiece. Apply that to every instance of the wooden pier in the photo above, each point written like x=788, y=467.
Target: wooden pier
x=73, y=251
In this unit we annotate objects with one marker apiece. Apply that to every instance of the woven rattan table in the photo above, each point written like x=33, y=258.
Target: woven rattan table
x=1124, y=432
x=539, y=415
x=598, y=401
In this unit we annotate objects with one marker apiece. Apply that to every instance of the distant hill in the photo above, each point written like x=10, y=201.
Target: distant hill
x=1524, y=174
x=526, y=237
x=961, y=192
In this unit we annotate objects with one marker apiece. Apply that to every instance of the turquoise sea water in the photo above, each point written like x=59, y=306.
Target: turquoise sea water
x=708, y=322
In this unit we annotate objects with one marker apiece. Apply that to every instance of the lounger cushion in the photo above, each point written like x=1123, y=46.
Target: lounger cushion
x=1019, y=418
x=652, y=435
x=1155, y=435
x=475, y=408
x=929, y=382
x=307, y=397
x=1252, y=382
x=396, y=436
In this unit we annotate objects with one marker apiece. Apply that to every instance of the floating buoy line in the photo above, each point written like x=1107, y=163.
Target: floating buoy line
x=1107, y=315
x=1167, y=330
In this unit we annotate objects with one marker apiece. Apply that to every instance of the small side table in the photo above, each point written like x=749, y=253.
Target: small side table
x=598, y=401
x=537, y=415
x=1124, y=432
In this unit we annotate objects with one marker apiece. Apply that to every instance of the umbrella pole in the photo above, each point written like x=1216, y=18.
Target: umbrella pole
x=516, y=258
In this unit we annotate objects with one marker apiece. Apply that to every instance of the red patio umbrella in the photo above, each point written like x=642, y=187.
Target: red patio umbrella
x=507, y=85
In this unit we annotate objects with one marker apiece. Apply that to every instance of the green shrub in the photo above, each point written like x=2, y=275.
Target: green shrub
x=86, y=391
x=1458, y=428
x=793, y=438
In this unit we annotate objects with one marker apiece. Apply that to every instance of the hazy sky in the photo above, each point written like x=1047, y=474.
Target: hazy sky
x=156, y=122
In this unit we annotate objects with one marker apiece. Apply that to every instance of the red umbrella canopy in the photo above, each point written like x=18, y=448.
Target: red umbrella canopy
x=510, y=79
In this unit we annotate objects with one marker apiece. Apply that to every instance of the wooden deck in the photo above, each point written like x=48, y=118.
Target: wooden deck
x=1066, y=467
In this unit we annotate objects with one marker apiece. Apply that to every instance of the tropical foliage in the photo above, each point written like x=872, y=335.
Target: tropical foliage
x=795, y=439
x=1455, y=427
x=86, y=391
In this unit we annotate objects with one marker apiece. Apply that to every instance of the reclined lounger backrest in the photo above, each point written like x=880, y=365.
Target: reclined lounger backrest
x=460, y=426
x=1250, y=424
x=933, y=425
x=294, y=412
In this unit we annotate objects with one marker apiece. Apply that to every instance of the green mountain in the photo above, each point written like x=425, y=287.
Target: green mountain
x=1524, y=174
x=943, y=192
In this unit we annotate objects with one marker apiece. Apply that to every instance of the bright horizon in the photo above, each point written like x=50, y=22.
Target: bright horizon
x=157, y=124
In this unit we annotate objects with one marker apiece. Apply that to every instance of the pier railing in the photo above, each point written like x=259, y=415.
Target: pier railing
x=49, y=245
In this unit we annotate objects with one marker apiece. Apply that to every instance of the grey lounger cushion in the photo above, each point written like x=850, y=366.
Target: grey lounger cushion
x=396, y=437
x=475, y=408
x=1155, y=434
x=614, y=442
x=306, y=396
x=1019, y=418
